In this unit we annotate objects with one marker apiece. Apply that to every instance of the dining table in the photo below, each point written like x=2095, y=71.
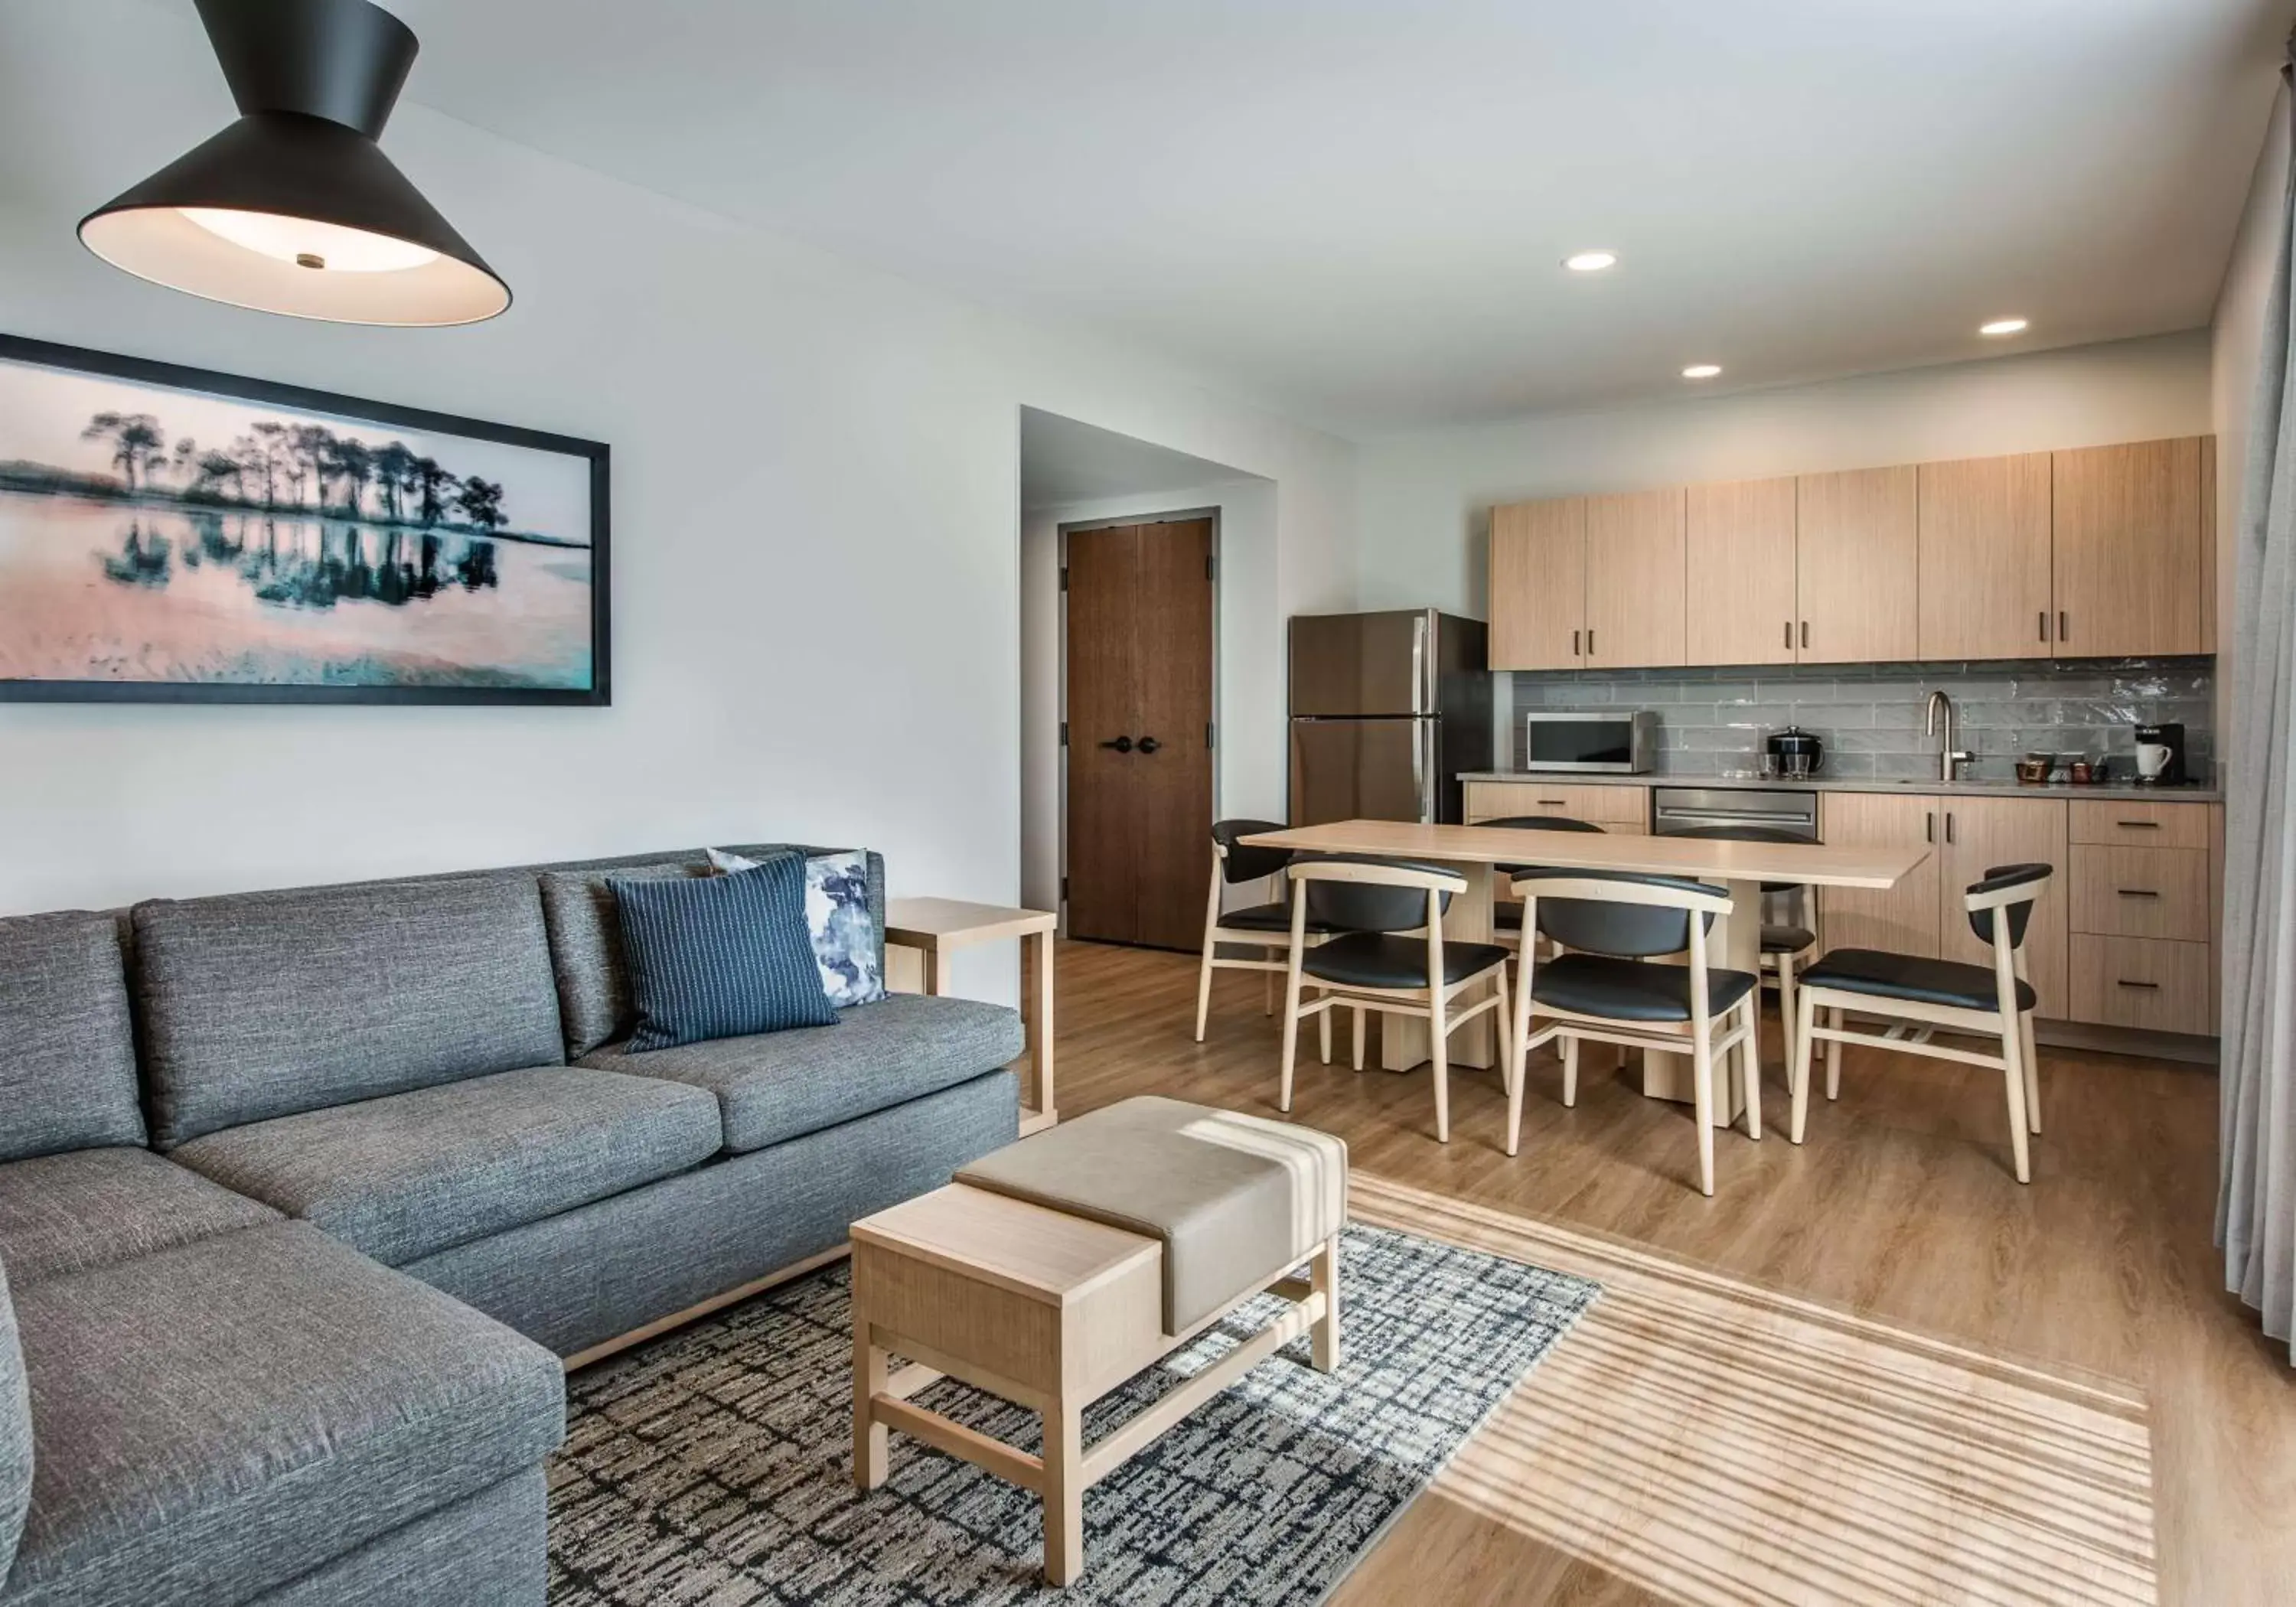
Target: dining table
x=1734, y=942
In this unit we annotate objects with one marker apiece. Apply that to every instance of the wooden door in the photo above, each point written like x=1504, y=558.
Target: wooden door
x=1857, y=565
x=1978, y=834
x=1538, y=584
x=1140, y=711
x=1740, y=573
x=1904, y=919
x=1984, y=527
x=1635, y=578
x=2128, y=540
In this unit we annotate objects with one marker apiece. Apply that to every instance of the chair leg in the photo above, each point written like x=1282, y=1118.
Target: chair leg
x=1204, y=989
x=1439, y=1056
x=1797, y=1069
x=2032, y=1075
x=1751, y=1059
x=1570, y=1069
x=1291, y=1037
x=1786, y=1017
x=1833, y=1055
x=1324, y=1032
x=1519, y=1046
x=1361, y=1015
x=1702, y=1072
x=1268, y=1008
x=2012, y=1073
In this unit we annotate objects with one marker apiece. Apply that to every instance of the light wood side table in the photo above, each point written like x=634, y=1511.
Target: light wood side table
x=937, y=927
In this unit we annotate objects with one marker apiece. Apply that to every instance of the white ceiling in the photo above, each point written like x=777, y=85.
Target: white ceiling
x=1354, y=210
x=1062, y=462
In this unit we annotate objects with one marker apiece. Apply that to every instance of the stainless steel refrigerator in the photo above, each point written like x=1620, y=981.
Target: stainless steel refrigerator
x=1387, y=709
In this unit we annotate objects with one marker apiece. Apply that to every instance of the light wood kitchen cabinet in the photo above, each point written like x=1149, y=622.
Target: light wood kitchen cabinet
x=2208, y=580
x=1985, y=545
x=2141, y=892
x=1858, y=566
x=1739, y=541
x=2139, y=823
x=1902, y=919
x=2128, y=563
x=1620, y=808
x=2149, y=984
x=1978, y=834
x=1635, y=580
x=1538, y=584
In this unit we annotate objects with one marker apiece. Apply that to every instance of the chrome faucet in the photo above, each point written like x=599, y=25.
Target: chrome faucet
x=1948, y=756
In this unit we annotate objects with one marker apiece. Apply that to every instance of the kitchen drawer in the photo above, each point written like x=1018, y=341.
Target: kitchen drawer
x=2140, y=892
x=2140, y=825
x=2150, y=984
x=1613, y=808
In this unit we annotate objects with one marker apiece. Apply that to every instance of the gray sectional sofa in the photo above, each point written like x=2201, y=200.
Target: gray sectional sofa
x=305, y=1195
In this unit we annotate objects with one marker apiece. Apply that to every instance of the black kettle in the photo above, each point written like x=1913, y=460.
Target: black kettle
x=1797, y=751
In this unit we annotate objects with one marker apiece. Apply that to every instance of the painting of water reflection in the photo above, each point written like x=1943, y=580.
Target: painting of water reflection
x=174, y=534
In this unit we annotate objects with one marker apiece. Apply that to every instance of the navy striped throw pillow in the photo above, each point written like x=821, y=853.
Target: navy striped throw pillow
x=721, y=957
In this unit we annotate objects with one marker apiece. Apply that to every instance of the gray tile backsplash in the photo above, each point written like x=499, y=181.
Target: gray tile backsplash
x=1869, y=716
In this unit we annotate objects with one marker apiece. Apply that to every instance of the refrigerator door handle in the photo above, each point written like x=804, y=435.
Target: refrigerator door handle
x=1419, y=665
x=1423, y=771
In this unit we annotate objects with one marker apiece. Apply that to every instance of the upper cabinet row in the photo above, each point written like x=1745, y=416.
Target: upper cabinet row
x=2103, y=552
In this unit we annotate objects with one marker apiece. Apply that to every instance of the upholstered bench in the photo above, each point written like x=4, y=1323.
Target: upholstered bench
x=1056, y=1268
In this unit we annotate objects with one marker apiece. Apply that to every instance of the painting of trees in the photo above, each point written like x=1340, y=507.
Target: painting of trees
x=137, y=445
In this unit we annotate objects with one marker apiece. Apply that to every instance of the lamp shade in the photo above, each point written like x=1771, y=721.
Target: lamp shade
x=294, y=209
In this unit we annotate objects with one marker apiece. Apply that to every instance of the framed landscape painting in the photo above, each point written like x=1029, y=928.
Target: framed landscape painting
x=169, y=534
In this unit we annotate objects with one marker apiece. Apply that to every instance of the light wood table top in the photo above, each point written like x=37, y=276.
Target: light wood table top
x=1031, y=1250
x=948, y=922
x=1810, y=864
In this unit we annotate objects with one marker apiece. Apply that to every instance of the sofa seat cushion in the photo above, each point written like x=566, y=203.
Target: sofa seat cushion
x=779, y=1086
x=416, y=1173
x=92, y=1208
x=215, y=1420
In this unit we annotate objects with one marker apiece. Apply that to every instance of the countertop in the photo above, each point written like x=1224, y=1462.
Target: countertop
x=2116, y=791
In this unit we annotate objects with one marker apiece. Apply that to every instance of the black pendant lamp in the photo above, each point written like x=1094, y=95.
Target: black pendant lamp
x=294, y=209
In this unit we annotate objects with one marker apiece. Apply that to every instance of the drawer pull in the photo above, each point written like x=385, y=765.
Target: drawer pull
x=1553, y=803
x=2125, y=982
x=2138, y=825
x=2136, y=892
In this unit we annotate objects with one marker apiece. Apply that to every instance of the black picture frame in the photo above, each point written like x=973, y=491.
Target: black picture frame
x=242, y=387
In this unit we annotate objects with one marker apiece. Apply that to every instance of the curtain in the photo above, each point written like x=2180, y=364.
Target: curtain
x=2256, y=1203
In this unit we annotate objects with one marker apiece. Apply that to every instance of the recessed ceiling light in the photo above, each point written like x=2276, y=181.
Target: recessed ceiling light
x=1702, y=371
x=1590, y=262
x=2003, y=326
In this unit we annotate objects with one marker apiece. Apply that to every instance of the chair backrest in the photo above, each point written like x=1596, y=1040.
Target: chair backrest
x=1536, y=822
x=1748, y=834
x=1358, y=892
x=2008, y=888
x=1241, y=862
x=1625, y=914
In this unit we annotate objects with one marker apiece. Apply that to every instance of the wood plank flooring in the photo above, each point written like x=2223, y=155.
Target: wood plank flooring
x=1872, y=1368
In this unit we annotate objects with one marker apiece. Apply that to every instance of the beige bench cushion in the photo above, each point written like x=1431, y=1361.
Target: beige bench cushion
x=1236, y=1198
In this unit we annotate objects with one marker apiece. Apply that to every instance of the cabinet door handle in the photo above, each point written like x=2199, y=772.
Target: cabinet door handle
x=2136, y=892
x=1928, y=826
x=1948, y=826
x=2064, y=626
x=1590, y=641
x=1574, y=643
x=1789, y=635
x=2125, y=982
x=2138, y=825
x=1805, y=633
x=2044, y=625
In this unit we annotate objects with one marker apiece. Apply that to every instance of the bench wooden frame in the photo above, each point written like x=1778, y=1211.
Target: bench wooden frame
x=1050, y=1312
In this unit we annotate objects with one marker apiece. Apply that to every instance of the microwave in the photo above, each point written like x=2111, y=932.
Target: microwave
x=1620, y=740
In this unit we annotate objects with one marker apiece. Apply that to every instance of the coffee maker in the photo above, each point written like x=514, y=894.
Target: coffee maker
x=2161, y=755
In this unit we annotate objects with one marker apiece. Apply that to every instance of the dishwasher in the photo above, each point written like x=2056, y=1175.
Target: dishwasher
x=1675, y=811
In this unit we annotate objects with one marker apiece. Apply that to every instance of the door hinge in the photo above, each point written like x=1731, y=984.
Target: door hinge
x=1211, y=568
x=1064, y=890
x=1209, y=730
x=1064, y=576
x=1064, y=734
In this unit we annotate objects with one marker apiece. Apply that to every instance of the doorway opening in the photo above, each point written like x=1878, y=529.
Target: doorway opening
x=1131, y=556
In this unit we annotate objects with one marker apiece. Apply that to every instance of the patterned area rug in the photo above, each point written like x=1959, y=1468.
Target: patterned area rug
x=712, y=1468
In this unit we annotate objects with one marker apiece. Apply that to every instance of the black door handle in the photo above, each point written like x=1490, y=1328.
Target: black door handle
x=1122, y=744
x=1149, y=744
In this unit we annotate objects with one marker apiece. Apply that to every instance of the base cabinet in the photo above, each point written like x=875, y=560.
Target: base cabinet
x=2150, y=984
x=1613, y=808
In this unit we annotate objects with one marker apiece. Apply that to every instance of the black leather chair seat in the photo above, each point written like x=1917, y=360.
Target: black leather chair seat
x=1268, y=917
x=1365, y=959
x=1887, y=976
x=1629, y=990
x=1507, y=917
x=1787, y=940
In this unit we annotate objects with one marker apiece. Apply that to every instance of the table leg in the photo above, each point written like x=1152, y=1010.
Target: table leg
x=1735, y=944
x=1403, y=1039
x=935, y=971
x=871, y=1447
x=1038, y=956
x=1063, y=1460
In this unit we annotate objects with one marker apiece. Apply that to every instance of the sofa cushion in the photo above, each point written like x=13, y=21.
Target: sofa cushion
x=594, y=1005
x=15, y=1433
x=67, y=1049
x=263, y=1005
x=414, y=1173
x=783, y=1085
x=722, y=957
x=68, y=1213
x=220, y=1418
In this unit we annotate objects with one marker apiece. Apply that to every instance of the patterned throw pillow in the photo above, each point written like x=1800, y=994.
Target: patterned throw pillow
x=720, y=956
x=837, y=914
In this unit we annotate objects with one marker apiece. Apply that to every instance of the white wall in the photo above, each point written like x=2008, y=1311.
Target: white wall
x=816, y=520
x=1249, y=754
x=2238, y=343
x=1425, y=501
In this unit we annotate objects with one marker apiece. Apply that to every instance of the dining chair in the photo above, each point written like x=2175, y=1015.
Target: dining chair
x=1506, y=919
x=1265, y=927
x=1389, y=956
x=1612, y=922
x=1925, y=995
x=1785, y=944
